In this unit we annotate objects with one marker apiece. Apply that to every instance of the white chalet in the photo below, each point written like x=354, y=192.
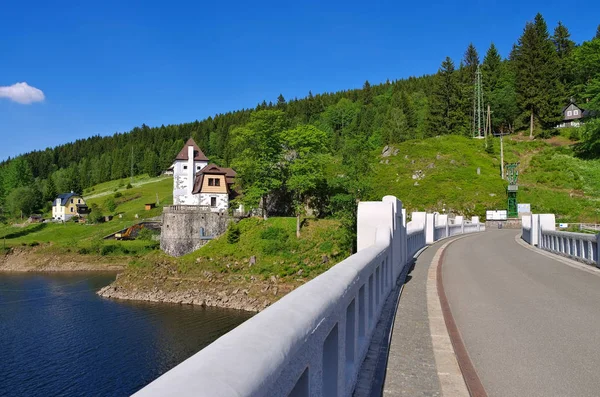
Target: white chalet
x=195, y=182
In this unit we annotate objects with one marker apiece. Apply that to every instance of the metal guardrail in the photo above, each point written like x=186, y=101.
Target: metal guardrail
x=579, y=246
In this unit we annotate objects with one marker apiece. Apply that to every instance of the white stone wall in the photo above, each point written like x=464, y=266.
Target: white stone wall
x=181, y=181
x=222, y=200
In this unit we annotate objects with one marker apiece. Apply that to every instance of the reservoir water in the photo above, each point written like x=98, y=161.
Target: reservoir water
x=57, y=337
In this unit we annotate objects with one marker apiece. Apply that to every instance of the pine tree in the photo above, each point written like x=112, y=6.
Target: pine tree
x=471, y=61
x=536, y=74
x=50, y=192
x=597, y=32
x=490, y=69
x=562, y=41
x=408, y=108
x=367, y=95
x=564, y=47
x=444, y=114
x=280, y=102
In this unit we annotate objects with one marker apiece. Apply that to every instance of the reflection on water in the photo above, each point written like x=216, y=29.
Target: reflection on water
x=57, y=337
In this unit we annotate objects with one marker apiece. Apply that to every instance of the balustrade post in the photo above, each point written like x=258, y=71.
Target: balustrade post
x=597, y=250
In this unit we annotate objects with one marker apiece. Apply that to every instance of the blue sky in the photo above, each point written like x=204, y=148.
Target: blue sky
x=105, y=67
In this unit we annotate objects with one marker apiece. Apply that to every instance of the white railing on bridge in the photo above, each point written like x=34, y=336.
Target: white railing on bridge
x=313, y=341
x=539, y=230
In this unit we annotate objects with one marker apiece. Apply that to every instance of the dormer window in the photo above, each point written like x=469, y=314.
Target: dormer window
x=211, y=182
x=217, y=182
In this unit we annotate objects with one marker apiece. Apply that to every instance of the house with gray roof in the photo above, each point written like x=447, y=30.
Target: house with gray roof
x=68, y=205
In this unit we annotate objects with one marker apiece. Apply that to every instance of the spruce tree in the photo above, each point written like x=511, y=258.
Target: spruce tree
x=280, y=102
x=597, y=32
x=367, y=95
x=536, y=74
x=443, y=114
x=471, y=61
x=562, y=41
x=564, y=47
x=490, y=69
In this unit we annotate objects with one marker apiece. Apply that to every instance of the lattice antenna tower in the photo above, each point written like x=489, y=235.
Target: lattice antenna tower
x=512, y=175
x=478, y=111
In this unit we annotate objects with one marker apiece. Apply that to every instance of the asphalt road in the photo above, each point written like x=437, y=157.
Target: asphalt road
x=531, y=324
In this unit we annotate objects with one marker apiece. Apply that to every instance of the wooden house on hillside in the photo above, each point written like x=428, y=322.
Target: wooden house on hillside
x=572, y=116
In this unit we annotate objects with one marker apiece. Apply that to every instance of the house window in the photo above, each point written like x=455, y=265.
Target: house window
x=575, y=112
x=217, y=182
x=185, y=167
x=213, y=201
x=71, y=201
x=201, y=232
x=569, y=113
x=197, y=167
x=78, y=201
x=211, y=182
x=71, y=209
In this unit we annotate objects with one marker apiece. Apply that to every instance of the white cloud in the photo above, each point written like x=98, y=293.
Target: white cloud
x=22, y=93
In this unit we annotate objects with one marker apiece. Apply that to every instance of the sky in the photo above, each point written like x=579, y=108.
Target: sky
x=70, y=70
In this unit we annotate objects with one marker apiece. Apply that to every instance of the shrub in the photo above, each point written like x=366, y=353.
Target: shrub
x=129, y=186
x=233, y=233
x=118, y=194
x=108, y=249
x=110, y=205
x=145, y=234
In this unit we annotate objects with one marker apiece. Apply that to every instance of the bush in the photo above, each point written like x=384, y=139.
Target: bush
x=128, y=186
x=233, y=233
x=145, y=234
x=110, y=205
x=118, y=194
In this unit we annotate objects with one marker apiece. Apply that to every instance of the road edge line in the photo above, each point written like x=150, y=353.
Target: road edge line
x=456, y=372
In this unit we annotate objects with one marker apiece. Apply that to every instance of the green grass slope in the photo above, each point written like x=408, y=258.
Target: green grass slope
x=277, y=249
x=84, y=238
x=551, y=178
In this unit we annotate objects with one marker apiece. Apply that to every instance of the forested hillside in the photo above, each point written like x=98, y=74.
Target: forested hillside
x=321, y=148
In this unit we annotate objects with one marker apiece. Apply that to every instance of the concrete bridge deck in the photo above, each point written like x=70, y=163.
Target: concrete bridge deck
x=530, y=322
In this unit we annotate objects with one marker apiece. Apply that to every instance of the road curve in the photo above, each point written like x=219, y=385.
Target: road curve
x=531, y=324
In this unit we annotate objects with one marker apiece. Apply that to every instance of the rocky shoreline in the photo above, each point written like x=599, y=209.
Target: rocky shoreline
x=238, y=299
x=253, y=296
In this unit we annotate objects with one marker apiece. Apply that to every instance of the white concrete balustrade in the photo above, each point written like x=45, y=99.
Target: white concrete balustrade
x=313, y=341
x=539, y=230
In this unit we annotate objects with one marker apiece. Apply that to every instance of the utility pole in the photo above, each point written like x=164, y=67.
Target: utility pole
x=131, y=178
x=477, y=106
x=502, y=153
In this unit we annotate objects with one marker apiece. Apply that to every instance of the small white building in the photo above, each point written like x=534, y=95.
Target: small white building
x=195, y=182
x=188, y=162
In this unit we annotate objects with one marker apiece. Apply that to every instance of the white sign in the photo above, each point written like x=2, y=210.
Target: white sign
x=498, y=215
x=523, y=208
x=563, y=225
